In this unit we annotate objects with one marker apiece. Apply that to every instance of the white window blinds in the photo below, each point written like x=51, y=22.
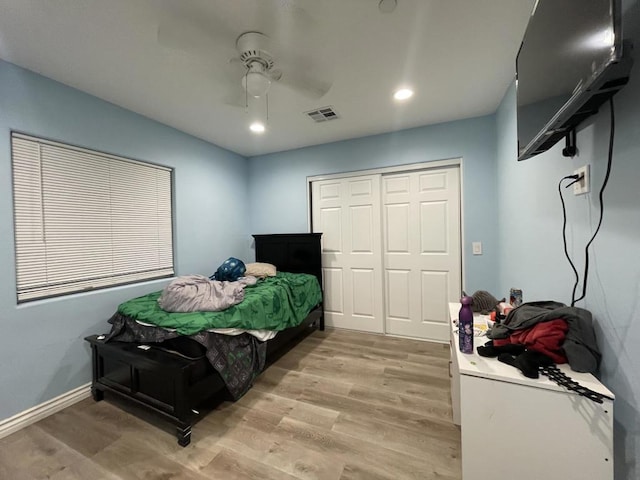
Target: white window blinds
x=86, y=220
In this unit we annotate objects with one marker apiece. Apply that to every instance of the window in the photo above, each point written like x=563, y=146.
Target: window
x=87, y=220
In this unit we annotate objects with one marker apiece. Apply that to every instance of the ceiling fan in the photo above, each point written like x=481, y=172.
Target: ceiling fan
x=263, y=62
x=258, y=64
x=261, y=69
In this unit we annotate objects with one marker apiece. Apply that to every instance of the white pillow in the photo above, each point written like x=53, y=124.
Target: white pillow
x=260, y=270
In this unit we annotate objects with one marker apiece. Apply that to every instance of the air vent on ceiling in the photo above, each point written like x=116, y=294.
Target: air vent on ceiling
x=323, y=114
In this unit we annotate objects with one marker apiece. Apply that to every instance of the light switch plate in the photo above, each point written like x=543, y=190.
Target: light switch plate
x=476, y=248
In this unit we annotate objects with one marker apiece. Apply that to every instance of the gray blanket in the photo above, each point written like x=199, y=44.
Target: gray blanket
x=196, y=293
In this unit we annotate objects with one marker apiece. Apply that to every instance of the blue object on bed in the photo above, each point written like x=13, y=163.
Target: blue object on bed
x=230, y=270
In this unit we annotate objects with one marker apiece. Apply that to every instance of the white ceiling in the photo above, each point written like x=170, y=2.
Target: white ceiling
x=458, y=55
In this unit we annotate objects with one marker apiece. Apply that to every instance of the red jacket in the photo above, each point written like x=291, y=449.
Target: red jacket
x=543, y=337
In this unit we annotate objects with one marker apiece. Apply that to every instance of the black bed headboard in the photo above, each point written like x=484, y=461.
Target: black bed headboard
x=291, y=252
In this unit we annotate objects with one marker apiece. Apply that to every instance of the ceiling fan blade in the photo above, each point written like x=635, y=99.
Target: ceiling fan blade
x=308, y=86
x=279, y=16
x=297, y=70
x=193, y=30
x=184, y=37
x=236, y=98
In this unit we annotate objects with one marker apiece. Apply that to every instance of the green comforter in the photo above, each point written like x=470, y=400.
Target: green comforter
x=274, y=303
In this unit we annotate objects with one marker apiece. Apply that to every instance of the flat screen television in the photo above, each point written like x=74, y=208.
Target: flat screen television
x=571, y=60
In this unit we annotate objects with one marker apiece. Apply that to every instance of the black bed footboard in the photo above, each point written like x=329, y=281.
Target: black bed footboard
x=168, y=384
x=171, y=385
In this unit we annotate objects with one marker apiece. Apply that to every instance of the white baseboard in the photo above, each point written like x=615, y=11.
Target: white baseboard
x=32, y=415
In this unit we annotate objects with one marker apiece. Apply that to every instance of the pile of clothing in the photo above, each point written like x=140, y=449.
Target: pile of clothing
x=539, y=334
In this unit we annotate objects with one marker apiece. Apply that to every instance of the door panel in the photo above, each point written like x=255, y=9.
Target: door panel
x=333, y=291
x=361, y=229
x=347, y=212
x=363, y=294
x=331, y=225
x=397, y=228
x=433, y=227
x=435, y=286
x=397, y=283
x=421, y=219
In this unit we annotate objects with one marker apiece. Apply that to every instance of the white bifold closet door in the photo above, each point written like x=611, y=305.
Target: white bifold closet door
x=347, y=212
x=422, y=258
x=390, y=250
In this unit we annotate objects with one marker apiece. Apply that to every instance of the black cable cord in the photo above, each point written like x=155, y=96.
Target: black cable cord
x=601, y=199
x=564, y=232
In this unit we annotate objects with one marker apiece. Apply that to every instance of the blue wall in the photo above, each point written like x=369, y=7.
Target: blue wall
x=42, y=352
x=277, y=182
x=531, y=243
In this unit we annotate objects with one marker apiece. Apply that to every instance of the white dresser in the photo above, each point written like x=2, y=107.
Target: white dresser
x=514, y=427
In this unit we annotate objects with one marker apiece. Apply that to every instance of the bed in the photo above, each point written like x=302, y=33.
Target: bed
x=177, y=376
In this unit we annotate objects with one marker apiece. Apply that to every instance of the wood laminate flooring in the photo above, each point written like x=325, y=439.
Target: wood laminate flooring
x=341, y=405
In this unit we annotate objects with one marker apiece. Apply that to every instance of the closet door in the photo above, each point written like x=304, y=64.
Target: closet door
x=347, y=213
x=422, y=259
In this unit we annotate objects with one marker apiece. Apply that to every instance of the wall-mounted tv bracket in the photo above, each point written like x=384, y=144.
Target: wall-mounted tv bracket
x=570, y=148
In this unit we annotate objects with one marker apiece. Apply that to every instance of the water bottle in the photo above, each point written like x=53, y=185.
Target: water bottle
x=465, y=325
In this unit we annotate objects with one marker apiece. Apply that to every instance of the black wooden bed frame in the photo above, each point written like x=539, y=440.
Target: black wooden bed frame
x=175, y=386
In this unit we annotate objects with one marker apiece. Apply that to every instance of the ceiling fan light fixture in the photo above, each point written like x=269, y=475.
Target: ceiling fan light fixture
x=256, y=83
x=403, y=94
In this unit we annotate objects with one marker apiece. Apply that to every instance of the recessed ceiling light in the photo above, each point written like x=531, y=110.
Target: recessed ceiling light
x=257, y=127
x=403, y=94
x=387, y=6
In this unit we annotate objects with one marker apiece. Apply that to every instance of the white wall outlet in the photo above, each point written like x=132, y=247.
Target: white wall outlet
x=582, y=185
x=476, y=247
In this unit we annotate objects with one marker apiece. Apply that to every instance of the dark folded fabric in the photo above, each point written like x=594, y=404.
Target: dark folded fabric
x=528, y=362
x=490, y=350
